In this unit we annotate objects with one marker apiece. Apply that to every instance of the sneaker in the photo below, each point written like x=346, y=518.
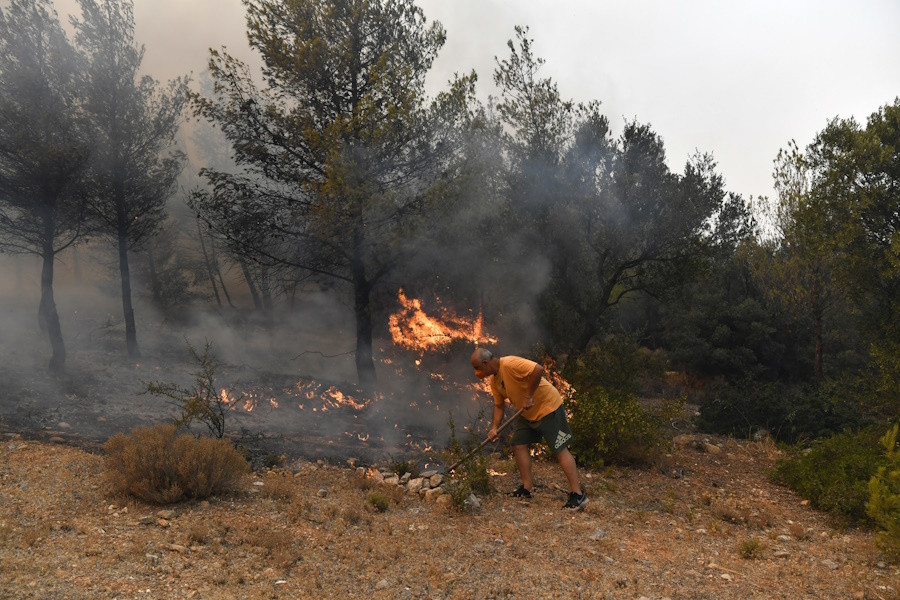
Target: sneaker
x=576, y=501
x=521, y=492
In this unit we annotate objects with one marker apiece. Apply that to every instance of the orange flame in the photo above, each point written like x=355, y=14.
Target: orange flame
x=411, y=328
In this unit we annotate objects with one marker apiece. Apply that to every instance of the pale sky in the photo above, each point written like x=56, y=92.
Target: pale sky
x=735, y=79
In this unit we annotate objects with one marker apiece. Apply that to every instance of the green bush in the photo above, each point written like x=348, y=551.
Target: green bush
x=158, y=465
x=471, y=475
x=790, y=412
x=834, y=473
x=203, y=402
x=378, y=502
x=884, y=498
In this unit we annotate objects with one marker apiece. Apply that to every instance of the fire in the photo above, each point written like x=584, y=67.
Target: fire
x=411, y=328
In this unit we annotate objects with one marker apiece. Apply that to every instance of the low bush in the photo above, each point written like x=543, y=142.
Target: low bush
x=158, y=465
x=791, y=412
x=884, y=498
x=834, y=473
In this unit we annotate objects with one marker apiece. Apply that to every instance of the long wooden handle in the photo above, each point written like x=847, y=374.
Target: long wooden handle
x=482, y=444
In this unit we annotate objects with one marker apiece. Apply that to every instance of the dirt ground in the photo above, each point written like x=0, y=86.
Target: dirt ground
x=710, y=526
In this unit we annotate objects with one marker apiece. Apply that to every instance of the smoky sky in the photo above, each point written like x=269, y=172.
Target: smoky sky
x=738, y=80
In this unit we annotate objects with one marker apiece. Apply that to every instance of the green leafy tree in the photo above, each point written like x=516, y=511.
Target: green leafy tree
x=136, y=122
x=857, y=175
x=44, y=147
x=339, y=148
x=613, y=219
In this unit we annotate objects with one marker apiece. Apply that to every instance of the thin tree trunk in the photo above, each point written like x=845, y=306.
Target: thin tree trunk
x=212, y=279
x=362, y=292
x=125, y=275
x=47, y=315
x=215, y=265
x=257, y=303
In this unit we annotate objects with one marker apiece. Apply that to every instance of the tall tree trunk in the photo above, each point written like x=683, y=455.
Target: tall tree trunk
x=209, y=272
x=47, y=315
x=817, y=326
x=125, y=276
x=257, y=303
x=76, y=264
x=362, y=292
x=215, y=265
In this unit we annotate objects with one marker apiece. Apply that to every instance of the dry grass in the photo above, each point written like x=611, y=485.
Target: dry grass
x=721, y=531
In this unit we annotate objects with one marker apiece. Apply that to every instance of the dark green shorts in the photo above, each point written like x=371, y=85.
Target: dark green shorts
x=553, y=429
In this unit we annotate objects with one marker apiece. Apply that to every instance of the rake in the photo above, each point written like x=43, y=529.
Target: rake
x=482, y=444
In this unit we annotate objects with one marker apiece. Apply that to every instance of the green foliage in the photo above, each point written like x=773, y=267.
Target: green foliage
x=401, y=466
x=791, y=412
x=884, y=497
x=834, y=473
x=202, y=403
x=378, y=502
x=158, y=465
x=751, y=548
x=471, y=475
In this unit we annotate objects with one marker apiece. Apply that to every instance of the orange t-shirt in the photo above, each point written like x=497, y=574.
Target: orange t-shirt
x=511, y=383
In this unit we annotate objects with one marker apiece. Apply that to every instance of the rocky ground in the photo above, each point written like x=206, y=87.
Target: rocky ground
x=708, y=525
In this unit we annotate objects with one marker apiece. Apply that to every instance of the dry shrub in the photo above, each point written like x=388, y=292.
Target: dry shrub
x=158, y=465
x=730, y=512
x=751, y=548
x=279, y=488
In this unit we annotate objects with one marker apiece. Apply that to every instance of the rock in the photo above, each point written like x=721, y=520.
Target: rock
x=322, y=493
x=415, y=485
x=711, y=448
x=785, y=538
x=162, y=523
x=101, y=419
x=360, y=471
x=436, y=480
x=57, y=440
x=405, y=478
x=377, y=476
x=204, y=503
x=63, y=425
x=781, y=554
x=443, y=500
x=472, y=502
x=381, y=584
x=148, y=520
x=433, y=493
x=683, y=440
x=176, y=548
x=830, y=564
x=166, y=514
x=320, y=463
x=598, y=535
x=259, y=483
x=392, y=480
x=429, y=473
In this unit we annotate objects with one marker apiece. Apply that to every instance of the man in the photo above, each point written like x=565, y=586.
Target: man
x=521, y=381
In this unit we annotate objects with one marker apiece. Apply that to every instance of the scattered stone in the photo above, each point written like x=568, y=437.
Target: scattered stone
x=63, y=425
x=57, y=440
x=377, y=476
x=162, y=522
x=785, y=538
x=830, y=564
x=711, y=448
x=392, y=480
x=204, y=503
x=781, y=554
x=598, y=535
x=406, y=477
x=320, y=462
x=166, y=514
x=147, y=520
x=381, y=584
x=176, y=548
x=258, y=483
x=472, y=502
x=436, y=480
x=415, y=485
x=322, y=493
x=726, y=576
x=429, y=473
x=101, y=419
x=683, y=440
